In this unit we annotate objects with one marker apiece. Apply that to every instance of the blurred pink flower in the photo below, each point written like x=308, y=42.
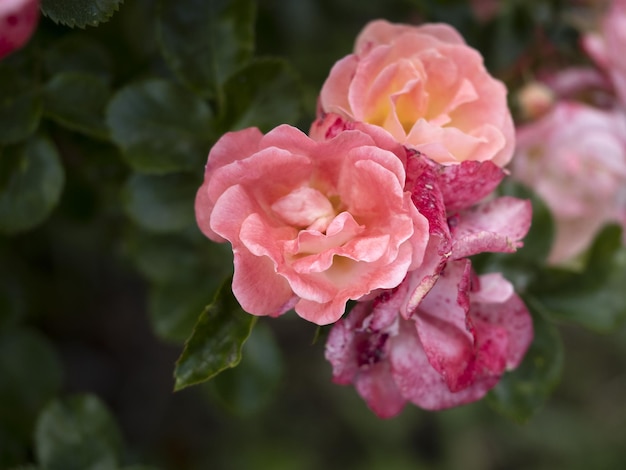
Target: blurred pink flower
x=485, y=10
x=312, y=224
x=427, y=88
x=607, y=46
x=451, y=350
x=574, y=158
x=18, y=19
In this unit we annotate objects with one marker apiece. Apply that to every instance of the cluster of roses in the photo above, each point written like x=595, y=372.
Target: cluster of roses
x=382, y=203
x=579, y=169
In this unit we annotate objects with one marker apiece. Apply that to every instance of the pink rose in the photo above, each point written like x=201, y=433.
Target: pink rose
x=312, y=224
x=18, y=19
x=574, y=158
x=427, y=88
x=607, y=46
x=453, y=348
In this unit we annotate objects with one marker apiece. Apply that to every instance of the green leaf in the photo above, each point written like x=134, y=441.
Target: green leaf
x=247, y=388
x=77, y=100
x=161, y=203
x=20, y=107
x=80, y=13
x=160, y=127
x=521, y=392
x=79, y=52
x=264, y=94
x=593, y=298
x=31, y=181
x=205, y=41
x=216, y=341
x=31, y=376
x=77, y=433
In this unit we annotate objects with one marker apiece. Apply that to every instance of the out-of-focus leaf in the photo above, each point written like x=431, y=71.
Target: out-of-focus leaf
x=593, y=298
x=31, y=181
x=161, y=203
x=205, y=41
x=164, y=258
x=264, y=94
x=174, y=308
x=31, y=376
x=160, y=127
x=249, y=386
x=77, y=100
x=80, y=13
x=20, y=107
x=216, y=341
x=521, y=392
x=77, y=433
x=78, y=53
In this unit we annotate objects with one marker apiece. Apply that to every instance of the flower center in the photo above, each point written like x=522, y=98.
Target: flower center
x=305, y=207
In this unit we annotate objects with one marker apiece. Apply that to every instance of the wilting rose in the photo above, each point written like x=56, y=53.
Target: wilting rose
x=607, y=46
x=427, y=88
x=18, y=19
x=312, y=224
x=574, y=158
x=451, y=350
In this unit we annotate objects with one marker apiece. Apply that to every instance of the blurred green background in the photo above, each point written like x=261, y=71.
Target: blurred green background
x=103, y=277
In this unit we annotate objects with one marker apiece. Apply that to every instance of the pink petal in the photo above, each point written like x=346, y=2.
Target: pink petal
x=257, y=286
x=466, y=184
x=494, y=226
x=443, y=326
x=419, y=382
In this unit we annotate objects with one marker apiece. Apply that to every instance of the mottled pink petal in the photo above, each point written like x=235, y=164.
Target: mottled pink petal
x=419, y=382
x=468, y=183
x=443, y=326
x=509, y=313
x=377, y=387
x=495, y=226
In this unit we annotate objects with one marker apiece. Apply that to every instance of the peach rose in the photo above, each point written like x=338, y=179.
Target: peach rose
x=18, y=19
x=427, y=88
x=312, y=224
x=574, y=158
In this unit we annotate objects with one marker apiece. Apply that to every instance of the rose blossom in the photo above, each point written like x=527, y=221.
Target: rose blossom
x=312, y=224
x=607, y=46
x=578, y=169
x=18, y=19
x=451, y=350
x=427, y=88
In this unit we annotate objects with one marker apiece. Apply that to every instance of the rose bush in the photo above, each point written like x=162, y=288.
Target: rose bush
x=578, y=169
x=18, y=19
x=427, y=88
x=312, y=224
x=451, y=350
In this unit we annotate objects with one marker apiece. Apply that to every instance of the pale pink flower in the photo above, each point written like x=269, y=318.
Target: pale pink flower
x=574, y=158
x=427, y=88
x=312, y=224
x=450, y=350
x=18, y=19
x=607, y=46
